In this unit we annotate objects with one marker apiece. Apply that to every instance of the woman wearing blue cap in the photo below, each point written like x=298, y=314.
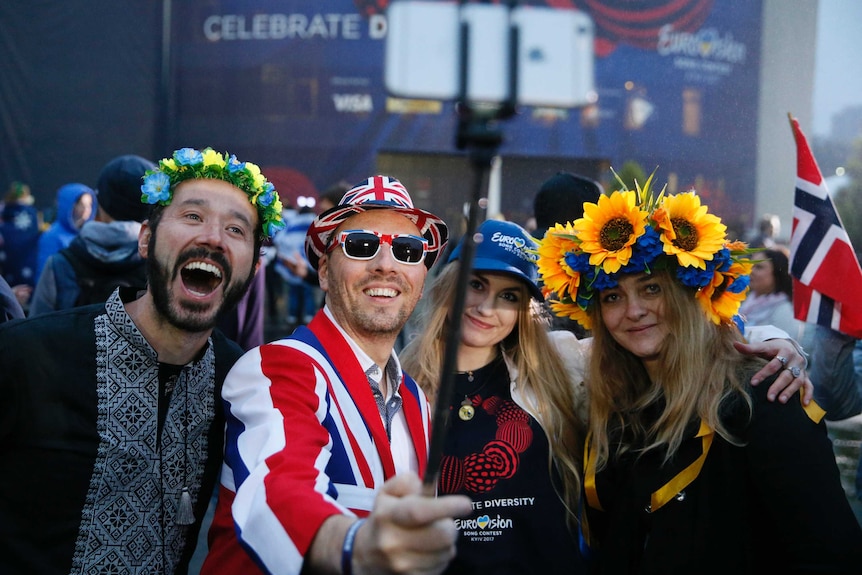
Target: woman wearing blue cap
x=509, y=372
x=518, y=411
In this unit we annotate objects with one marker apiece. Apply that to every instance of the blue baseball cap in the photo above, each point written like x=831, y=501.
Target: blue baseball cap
x=507, y=248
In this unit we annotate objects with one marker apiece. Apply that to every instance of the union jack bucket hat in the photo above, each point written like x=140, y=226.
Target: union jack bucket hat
x=376, y=193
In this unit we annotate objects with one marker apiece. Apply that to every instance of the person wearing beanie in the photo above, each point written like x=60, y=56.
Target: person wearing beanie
x=119, y=189
x=561, y=198
x=104, y=255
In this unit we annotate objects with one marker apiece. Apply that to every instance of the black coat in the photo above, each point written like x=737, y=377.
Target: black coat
x=49, y=437
x=772, y=505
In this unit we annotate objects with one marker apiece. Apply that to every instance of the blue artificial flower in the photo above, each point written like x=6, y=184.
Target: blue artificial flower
x=695, y=277
x=234, y=165
x=267, y=196
x=721, y=261
x=698, y=278
x=272, y=227
x=739, y=284
x=188, y=157
x=580, y=262
x=605, y=280
x=156, y=188
x=646, y=249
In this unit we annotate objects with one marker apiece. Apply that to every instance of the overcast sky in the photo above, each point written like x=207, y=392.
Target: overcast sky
x=838, y=73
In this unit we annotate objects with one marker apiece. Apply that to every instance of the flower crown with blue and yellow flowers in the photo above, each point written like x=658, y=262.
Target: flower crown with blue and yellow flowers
x=635, y=231
x=191, y=164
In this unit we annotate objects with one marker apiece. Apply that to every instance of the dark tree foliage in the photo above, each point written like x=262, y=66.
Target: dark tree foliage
x=848, y=200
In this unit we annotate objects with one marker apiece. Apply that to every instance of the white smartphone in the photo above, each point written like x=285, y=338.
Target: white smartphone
x=554, y=59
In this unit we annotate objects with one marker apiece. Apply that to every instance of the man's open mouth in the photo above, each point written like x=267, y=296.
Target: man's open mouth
x=201, y=278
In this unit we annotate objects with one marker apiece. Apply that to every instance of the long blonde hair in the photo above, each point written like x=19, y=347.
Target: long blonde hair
x=700, y=370
x=540, y=368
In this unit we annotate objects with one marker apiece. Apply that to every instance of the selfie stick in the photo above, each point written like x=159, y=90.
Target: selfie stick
x=477, y=131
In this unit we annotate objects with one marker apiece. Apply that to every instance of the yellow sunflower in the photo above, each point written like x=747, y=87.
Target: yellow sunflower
x=717, y=301
x=741, y=267
x=556, y=275
x=688, y=231
x=609, y=229
x=571, y=311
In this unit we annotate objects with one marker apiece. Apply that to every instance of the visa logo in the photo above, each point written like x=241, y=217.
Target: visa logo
x=353, y=102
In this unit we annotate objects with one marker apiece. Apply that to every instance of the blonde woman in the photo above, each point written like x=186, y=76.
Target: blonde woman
x=688, y=467
x=516, y=436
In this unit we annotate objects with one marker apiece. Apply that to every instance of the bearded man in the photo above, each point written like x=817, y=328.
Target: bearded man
x=111, y=424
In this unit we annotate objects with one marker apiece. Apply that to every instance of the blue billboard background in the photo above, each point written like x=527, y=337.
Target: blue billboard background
x=298, y=85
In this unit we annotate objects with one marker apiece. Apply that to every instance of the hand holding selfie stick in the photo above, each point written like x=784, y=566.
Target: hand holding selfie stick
x=478, y=132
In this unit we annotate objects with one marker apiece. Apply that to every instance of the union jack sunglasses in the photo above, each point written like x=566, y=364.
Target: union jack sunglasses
x=365, y=245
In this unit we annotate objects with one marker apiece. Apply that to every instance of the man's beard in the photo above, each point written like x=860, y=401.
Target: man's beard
x=191, y=317
x=369, y=322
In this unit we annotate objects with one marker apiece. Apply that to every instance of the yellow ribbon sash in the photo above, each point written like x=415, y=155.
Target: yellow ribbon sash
x=673, y=487
x=667, y=491
x=814, y=412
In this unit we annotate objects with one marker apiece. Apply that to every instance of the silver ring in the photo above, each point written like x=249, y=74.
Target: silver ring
x=781, y=359
x=794, y=371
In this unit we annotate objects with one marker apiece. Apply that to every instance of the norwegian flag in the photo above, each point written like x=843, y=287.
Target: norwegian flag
x=827, y=278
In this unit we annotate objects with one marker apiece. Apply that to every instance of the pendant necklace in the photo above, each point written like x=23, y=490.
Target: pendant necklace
x=466, y=412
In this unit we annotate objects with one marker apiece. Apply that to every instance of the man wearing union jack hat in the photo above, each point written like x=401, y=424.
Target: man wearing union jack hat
x=326, y=435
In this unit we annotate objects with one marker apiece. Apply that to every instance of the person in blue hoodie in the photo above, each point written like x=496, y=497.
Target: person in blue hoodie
x=76, y=205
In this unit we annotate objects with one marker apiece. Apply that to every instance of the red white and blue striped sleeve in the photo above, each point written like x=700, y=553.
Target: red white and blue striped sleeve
x=293, y=453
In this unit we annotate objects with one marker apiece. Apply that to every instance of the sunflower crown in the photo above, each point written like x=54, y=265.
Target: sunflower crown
x=189, y=164
x=635, y=231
